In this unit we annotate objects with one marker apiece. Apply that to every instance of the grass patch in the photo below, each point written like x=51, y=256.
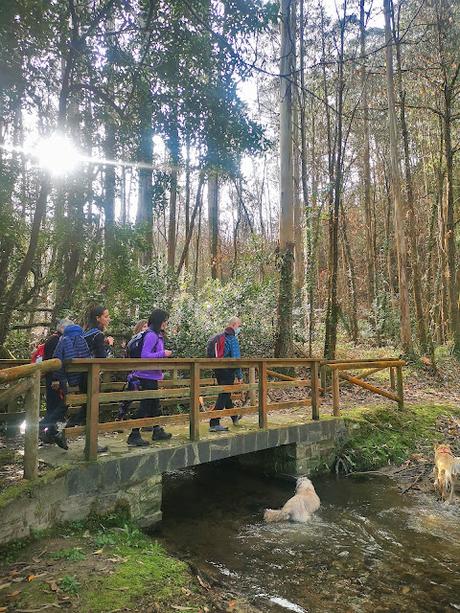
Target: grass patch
x=74, y=554
x=384, y=435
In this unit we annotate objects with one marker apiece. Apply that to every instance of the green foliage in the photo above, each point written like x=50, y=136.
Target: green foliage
x=74, y=554
x=69, y=585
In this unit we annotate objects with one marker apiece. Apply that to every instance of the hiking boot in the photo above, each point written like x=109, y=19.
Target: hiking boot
x=46, y=437
x=136, y=440
x=236, y=419
x=61, y=440
x=218, y=428
x=102, y=449
x=159, y=434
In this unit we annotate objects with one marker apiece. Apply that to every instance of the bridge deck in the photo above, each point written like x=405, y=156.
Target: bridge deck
x=244, y=438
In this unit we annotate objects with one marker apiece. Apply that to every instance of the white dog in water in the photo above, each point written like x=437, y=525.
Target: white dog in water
x=298, y=508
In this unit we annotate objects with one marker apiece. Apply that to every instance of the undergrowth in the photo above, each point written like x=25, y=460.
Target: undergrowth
x=382, y=436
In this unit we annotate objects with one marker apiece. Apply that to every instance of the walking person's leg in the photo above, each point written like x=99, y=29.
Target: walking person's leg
x=224, y=376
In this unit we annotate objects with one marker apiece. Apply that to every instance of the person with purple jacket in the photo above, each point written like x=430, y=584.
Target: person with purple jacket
x=152, y=347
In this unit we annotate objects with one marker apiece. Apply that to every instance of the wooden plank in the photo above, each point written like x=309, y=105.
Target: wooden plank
x=195, y=402
x=252, y=381
x=252, y=410
x=279, y=375
x=32, y=405
x=392, y=379
x=348, y=361
x=288, y=384
x=368, y=386
x=400, y=387
x=18, y=389
x=288, y=404
x=315, y=401
x=335, y=393
x=237, y=387
x=142, y=395
x=365, y=364
x=19, y=372
x=92, y=413
x=185, y=363
x=263, y=395
x=128, y=424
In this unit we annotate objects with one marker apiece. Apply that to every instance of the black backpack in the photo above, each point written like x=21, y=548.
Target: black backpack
x=134, y=347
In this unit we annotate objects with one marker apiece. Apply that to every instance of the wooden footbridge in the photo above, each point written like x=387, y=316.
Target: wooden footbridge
x=189, y=383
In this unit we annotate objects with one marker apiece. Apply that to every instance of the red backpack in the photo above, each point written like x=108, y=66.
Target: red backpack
x=38, y=354
x=216, y=346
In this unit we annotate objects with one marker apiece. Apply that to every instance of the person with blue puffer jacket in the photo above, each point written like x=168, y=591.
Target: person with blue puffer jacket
x=227, y=376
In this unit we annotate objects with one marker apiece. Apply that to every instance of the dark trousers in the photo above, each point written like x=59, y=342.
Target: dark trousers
x=149, y=407
x=55, y=408
x=224, y=376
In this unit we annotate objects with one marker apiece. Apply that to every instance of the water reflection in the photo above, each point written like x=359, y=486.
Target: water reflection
x=368, y=549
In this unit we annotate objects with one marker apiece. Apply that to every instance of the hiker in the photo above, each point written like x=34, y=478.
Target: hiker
x=150, y=345
x=225, y=345
x=99, y=346
x=70, y=346
x=97, y=320
x=55, y=403
x=132, y=383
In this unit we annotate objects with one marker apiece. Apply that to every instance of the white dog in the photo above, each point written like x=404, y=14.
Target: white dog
x=298, y=508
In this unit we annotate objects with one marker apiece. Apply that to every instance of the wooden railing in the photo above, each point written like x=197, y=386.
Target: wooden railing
x=190, y=389
x=103, y=393
x=26, y=379
x=370, y=367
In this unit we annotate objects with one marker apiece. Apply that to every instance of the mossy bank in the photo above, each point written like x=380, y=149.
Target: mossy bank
x=100, y=566
x=384, y=435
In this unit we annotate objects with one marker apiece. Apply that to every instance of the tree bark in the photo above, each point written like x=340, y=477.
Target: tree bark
x=399, y=213
x=283, y=343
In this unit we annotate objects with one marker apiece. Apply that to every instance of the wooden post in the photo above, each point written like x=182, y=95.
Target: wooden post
x=195, y=373
x=335, y=393
x=392, y=378
x=262, y=394
x=314, y=391
x=92, y=412
x=252, y=379
x=400, y=386
x=32, y=406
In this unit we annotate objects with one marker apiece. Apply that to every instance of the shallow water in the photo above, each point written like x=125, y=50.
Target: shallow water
x=367, y=549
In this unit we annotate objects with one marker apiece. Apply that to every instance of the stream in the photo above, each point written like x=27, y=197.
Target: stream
x=368, y=548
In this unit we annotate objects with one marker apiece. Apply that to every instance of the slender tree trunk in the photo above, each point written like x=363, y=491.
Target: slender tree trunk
x=399, y=213
x=144, y=215
x=187, y=195
x=413, y=234
x=213, y=220
x=174, y=157
x=366, y=171
x=283, y=343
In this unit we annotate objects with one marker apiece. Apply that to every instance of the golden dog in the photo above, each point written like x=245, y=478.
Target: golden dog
x=446, y=467
x=300, y=507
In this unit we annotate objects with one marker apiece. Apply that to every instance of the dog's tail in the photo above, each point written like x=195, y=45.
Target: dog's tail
x=272, y=515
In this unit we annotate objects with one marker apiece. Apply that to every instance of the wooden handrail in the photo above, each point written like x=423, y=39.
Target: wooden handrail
x=25, y=370
x=31, y=389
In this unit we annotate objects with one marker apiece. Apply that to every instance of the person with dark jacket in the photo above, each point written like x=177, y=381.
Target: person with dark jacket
x=153, y=347
x=99, y=346
x=227, y=376
x=55, y=402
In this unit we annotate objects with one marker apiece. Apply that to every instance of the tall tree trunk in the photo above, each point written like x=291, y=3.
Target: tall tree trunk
x=144, y=215
x=399, y=213
x=187, y=195
x=173, y=144
x=366, y=170
x=213, y=220
x=283, y=343
x=413, y=234
x=330, y=341
x=109, y=195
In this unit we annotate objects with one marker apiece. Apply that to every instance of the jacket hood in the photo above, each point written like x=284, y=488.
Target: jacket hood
x=230, y=331
x=72, y=331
